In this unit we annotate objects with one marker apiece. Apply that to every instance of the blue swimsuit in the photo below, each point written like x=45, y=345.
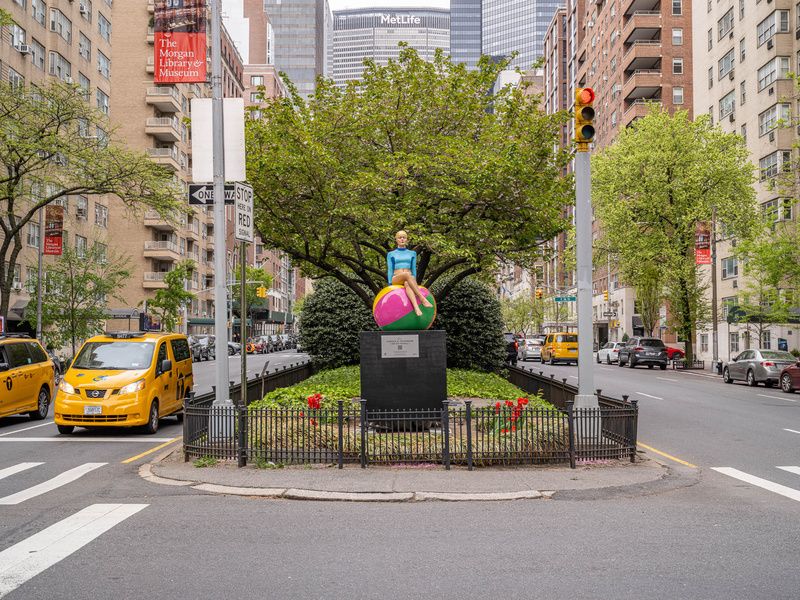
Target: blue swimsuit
x=401, y=258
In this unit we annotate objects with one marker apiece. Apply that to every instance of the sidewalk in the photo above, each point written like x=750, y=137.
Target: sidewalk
x=421, y=482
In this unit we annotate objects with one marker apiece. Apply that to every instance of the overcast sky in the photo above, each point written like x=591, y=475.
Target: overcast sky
x=340, y=4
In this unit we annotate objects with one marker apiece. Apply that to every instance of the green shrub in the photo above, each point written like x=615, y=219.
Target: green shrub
x=470, y=314
x=330, y=323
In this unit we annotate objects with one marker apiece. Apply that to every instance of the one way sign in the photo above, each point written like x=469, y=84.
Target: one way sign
x=203, y=193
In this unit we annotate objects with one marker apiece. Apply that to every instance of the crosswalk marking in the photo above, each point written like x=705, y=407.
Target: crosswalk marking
x=8, y=471
x=795, y=470
x=51, y=484
x=31, y=556
x=762, y=483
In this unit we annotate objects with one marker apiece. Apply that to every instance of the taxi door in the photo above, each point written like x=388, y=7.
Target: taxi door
x=182, y=367
x=19, y=381
x=165, y=381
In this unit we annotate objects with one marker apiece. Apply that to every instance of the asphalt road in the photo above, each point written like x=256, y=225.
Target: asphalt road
x=77, y=521
x=205, y=375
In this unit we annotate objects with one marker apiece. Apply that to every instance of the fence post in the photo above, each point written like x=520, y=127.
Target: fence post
x=446, y=432
x=634, y=426
x=187, y=402
x=242, y=435
x=340, y=417
x=571, y=433
x=363, y=433
x=469, y=434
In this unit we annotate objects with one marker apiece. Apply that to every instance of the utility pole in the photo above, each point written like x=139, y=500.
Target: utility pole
x=714, y=319
x=222, y=396
x=243, y=322
x=39, y=277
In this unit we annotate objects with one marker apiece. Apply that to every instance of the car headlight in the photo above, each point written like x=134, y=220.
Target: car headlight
x=132, y=387
x=66, y=387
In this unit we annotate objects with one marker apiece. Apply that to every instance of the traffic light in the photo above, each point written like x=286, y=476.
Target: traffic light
x=261, y=292
x=605, y=295
x=584, y=115
x=539, y=294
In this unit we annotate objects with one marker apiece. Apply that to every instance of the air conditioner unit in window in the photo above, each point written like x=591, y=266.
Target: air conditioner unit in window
x=84, y=9
x=68, y=79
x=81, y=213
x=771, y=136
x=735, y=284
x=771, y=91
x=770, y=44
x=732, y=118
x=730, y=75
x=23, y=48
x=16, y=286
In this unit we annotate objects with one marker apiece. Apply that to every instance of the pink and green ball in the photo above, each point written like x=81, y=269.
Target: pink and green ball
x=393, y=311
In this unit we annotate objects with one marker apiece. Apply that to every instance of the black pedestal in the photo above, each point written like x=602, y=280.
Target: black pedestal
x=403, y=369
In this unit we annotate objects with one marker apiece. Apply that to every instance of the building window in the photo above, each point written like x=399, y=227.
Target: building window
x=725, y=24
x=256, y=80
x=83, y=82
x=100, y=215
x=744, y=133
x=84, y=47
x=677, y=66
x=742, y=93
x=61, y=25
x=37, y=54
x=80, y=245
x=104, y=27
x=710, y=77
x=766, y=340
x=677, y=95
x=677, y=7
x=703, y=342
x=730, y=267
x=778, y=209
x=102, y=101
x=102, y=253
x=33, y=234
x=768, y=166
x=677, y=36
x=777, y=22
x=778, y=114
x=742, y=50
x=733, y=341
x=38, y=11
x=777, y=68
x=18, y=35
x=60, y=67
x=727, y=303
x=103, y=65
x=255, y=97
x=725, y=63
x=81, y=207
x=17, y=282
x=741, y=9
x=710, y=39
x=614, y=119
x=727, y=105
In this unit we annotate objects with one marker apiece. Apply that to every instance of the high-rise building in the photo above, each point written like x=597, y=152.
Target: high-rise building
x=465, y=31
x=514, y=26
x=303, y=41
x=372, y=33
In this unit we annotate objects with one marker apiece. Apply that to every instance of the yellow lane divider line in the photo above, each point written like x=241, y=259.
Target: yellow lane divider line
x=665, y=455
x=159, y=447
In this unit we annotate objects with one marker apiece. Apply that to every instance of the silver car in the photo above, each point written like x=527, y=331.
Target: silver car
x=757, y=366
x=609, y=353
x=530, y=349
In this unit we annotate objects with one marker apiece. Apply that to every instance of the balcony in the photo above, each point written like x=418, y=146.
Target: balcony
x=151, y=65
x=154, y=280
x=636, y=110
x=193, y=230
x=156, y=221
x=164, y=97
x=151, y=35
x=642, y=54
x=167, y=157
x=643, y=25
x=163, y=128
x=642, y=84
x=162, y=250
x=633, y=6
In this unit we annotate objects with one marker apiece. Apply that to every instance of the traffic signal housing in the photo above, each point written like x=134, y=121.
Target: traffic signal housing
x=605, y=295
x=539, y=294
x=584, y=117
x=261, y=292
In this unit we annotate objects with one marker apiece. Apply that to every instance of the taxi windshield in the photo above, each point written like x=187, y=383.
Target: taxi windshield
x=121, y=356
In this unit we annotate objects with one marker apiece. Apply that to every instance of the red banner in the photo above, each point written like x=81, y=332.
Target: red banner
x=53, y=229
x=702, y=244
x=180, y=41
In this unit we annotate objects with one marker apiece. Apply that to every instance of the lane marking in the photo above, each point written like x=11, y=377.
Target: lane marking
x=25, y=429
x=758, y=481
x=146, y=452
x=777, y=397
x=574, y=376
x=649, y=396
x=51, y=484
x=35, y=554
x=665, y=455
x=142, y=440
x=795, y=470
x=667, y=379
x=792, y=430
x=9, y=471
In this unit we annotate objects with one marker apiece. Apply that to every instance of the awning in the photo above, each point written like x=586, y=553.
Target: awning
x=17, y=311
x=199, y=321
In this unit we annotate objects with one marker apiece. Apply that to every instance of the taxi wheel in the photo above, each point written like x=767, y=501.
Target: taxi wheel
x=42, y=405
x=152, y=420
x=65, y=429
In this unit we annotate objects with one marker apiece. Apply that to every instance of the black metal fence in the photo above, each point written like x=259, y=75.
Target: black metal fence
x=682, y=363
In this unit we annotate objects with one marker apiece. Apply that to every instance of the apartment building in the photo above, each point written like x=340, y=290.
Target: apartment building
x=747, y=52
x=70, y=41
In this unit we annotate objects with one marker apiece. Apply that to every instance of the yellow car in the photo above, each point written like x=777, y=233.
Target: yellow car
x=27, y=377
x=560, y=347
x=125, y=380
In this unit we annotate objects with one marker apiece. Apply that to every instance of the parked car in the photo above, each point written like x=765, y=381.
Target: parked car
x=790, y=377
x=643, y=351
x=609, y=352
x=530, y=348
x=675, y=353
x=255, y=346
x=286, y=343
x=560, y=347
x=512, y=348
x=757, y=366
x=234, y=348
x=28, y=377
x=274, y=343
x=202, y=347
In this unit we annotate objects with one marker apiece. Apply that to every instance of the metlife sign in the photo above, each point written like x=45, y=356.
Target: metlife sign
x=357, y=19
x=400, y=20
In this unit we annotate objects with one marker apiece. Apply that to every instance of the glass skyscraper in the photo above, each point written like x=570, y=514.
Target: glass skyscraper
x=516, y=25
x=465, y=31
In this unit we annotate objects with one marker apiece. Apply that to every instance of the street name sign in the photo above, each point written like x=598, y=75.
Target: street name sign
x=565, y=298
x=243, y=212
x=610, y=313
x=203, y=193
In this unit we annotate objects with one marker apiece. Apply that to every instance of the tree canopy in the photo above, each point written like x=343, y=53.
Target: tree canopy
x=652, y=187
x=168, y=301
x=473, y=173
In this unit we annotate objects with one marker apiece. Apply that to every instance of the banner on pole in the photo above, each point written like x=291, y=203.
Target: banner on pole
x=53, y=230
x=702, y=244
x=180, y=41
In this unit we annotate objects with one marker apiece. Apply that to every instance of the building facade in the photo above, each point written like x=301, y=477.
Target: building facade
x=513, y=26
x=375, y=34
x=466, y=21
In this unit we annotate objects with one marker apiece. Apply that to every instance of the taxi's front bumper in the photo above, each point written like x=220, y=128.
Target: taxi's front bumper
x=117, y=410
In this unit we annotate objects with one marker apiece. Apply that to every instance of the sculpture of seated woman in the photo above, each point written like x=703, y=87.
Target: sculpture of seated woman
x=401, y=264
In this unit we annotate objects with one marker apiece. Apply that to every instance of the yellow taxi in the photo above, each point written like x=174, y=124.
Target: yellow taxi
x=560, y=347
x=27, y=377
x=125, y=379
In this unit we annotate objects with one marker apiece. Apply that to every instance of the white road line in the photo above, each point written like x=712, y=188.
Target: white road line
x=9, y=471
x=649, y=396
x=791, y=431
x=33, y=555
x=125, y=440
x=762, y=483
x=667, y=379
x=25, y=429
x=51, y=484
x=795, y=470
x=777, y=397
x=574, y=376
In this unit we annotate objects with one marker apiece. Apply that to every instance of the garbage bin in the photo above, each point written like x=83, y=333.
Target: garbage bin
x=718, y=367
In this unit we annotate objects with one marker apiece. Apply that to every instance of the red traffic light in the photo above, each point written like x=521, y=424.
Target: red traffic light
x=586, y=96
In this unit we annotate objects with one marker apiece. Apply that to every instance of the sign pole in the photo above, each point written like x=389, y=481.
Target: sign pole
x=714, y=315
x=39, y=276
x=222, y=397
x=243, y=321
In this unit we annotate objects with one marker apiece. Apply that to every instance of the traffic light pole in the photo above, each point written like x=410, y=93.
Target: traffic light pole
x=583, y=235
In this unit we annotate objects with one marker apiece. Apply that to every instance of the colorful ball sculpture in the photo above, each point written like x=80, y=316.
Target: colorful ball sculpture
x=393, y=311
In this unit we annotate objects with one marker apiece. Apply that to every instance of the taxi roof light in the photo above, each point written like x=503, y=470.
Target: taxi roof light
x=124, y=335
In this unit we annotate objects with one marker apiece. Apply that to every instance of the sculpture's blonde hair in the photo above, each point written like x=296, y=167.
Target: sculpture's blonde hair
x=399, y=232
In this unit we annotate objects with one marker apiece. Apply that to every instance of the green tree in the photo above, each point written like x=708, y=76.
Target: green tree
x=5, y=18
x=76, y=289
x=649, y=288
x=654, y=185
x=473, y=173
x=168, y=302
x=53, y=144
x=256, y=278
x=522, y=314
